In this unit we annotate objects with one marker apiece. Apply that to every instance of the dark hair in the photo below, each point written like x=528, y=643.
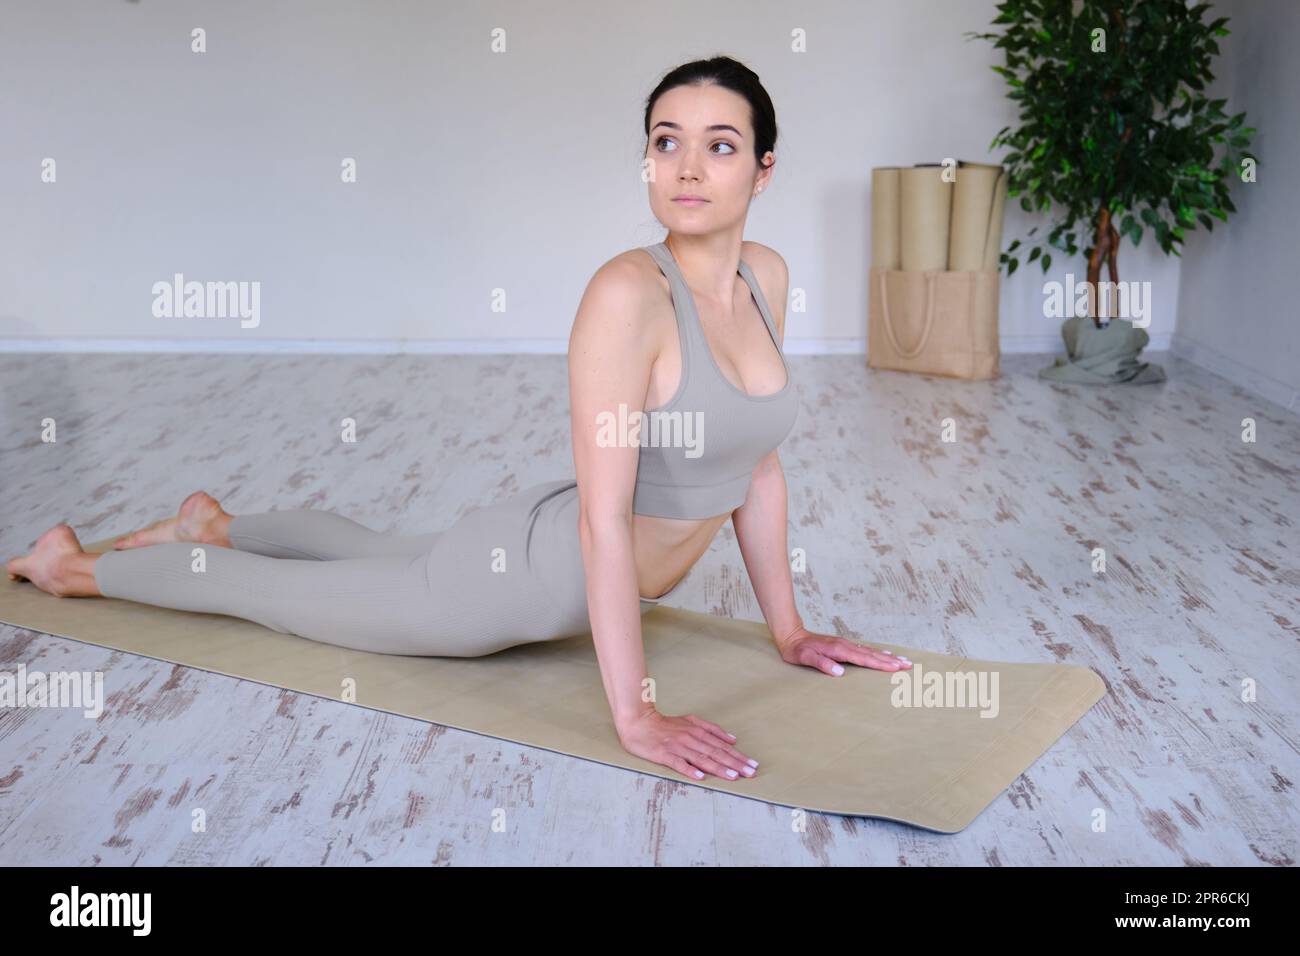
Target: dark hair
x=732, y=75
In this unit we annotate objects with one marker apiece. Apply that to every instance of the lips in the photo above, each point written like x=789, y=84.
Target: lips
x=690, y=199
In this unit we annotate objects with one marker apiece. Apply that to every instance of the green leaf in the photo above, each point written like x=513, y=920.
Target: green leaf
x=1066, y=151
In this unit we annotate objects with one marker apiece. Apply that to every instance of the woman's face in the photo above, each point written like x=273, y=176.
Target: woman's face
x=702, y=144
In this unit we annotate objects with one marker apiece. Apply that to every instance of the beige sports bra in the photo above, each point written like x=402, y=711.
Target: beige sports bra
x=699, y=449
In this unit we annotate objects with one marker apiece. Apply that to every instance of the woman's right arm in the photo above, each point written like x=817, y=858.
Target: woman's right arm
x=611, y=353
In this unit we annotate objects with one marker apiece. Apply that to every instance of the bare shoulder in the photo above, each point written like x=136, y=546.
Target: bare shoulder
x=773, y=276
x=619, y=298
x=759, y=255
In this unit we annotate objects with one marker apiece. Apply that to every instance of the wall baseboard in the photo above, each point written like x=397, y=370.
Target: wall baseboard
x=1179, y=345
x=1275, y=390
x=793, y=346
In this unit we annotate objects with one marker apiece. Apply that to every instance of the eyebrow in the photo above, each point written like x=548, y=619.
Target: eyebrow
x=716, y=126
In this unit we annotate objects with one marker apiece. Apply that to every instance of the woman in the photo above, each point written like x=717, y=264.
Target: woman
x=667, y=330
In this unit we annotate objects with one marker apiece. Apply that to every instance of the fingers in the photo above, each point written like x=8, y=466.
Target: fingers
x=877, y=660
x=711, y=735
x=683, y=766
x=888, y=659
x=826, y=657
x=707, y=758
x=827, y=665
x=711, y=727
x=725, y=754
x=816, y=655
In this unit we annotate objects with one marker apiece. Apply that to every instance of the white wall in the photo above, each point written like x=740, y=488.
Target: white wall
x=1238, y=314
x=477, y=170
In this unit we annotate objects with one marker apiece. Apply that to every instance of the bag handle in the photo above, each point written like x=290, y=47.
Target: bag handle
x=889, y=323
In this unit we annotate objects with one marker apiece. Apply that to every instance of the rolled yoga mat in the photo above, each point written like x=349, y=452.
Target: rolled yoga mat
x=925, y=215
x=972, y=212
x=993, y=242
x=998, y=212
x=831, y=744
x=885, y=252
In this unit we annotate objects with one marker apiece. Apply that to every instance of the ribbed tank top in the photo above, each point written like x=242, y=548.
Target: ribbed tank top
x=699, y=449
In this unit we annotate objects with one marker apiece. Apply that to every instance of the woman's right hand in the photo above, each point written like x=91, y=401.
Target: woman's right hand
x=690, y=745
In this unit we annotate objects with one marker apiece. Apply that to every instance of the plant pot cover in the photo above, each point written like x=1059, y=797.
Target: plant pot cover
x=1106, y=356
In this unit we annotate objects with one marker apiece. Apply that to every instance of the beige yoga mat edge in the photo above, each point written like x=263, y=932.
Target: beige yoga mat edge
x=1081, y=687
x=722, y=668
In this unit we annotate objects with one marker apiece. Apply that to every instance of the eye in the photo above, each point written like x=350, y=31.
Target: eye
x=722, y=142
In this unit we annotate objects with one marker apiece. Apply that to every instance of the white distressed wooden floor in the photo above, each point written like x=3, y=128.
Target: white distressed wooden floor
x=981, y=547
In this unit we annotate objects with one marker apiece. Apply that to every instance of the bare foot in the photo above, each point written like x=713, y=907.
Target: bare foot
x=58, y=566
x=200, y=519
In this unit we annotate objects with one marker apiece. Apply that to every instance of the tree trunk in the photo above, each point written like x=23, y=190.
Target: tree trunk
x=1104, y=247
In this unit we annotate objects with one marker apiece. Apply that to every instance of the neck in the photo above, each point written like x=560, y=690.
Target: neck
x=711, y=262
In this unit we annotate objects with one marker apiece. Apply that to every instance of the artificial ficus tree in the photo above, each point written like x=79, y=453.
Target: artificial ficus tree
x=1115, y=127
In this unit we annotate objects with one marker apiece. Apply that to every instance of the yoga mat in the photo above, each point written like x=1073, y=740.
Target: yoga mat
x=993, y=244
x=885, y=252
x=972, y=212
x=925, y=216
x=830, y=744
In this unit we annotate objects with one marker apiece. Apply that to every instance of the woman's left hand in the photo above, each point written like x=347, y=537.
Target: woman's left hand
x=824, y=652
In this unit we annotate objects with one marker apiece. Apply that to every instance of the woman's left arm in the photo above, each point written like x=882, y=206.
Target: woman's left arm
x=761, y=524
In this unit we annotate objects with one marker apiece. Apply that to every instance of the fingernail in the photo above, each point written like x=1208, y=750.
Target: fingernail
x=748, y=771
x=731, y=773
x=753, y=763
x=890, y=653
x=698, y=774
x=729, y=734
x=837, y=670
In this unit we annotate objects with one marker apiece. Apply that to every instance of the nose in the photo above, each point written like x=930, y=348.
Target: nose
x=686, y=167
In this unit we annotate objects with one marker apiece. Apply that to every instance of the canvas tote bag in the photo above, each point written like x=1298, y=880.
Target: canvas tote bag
x=937, y=322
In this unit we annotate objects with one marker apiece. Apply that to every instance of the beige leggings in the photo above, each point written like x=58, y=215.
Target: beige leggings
x=505, y=574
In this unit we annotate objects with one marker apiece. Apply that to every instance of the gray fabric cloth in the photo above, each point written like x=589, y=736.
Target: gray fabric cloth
x=325, y=577
x=1106, y=356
